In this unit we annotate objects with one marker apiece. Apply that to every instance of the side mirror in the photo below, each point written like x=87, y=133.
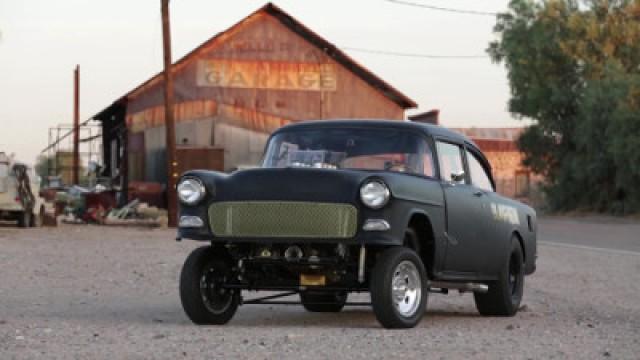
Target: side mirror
x=457, y=176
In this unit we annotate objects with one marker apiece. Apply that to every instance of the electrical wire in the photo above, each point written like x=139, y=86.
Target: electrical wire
x=413, y=55
x=440, y=8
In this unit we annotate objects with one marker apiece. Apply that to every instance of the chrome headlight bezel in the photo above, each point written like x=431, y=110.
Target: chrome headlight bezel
x=196, y=188
x=375, y=194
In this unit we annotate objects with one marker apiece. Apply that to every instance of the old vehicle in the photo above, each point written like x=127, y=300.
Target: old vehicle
x=396, y=209
x=19, y=188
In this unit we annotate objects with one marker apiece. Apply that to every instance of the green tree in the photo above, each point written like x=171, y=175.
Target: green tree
x=574, y=68
x=44, y=166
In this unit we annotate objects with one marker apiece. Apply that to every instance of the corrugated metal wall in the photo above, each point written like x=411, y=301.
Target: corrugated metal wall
x=245, y=84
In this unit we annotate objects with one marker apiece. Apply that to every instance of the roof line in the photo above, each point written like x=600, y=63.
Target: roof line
x=340, y=56
x=300, y=29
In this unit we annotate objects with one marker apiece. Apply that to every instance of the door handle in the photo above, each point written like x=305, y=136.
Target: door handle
x=478, y=193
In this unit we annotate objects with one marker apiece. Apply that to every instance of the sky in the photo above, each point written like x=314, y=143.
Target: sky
x=118, y=44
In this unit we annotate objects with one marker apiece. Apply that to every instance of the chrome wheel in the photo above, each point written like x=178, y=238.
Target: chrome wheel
x=406, y=288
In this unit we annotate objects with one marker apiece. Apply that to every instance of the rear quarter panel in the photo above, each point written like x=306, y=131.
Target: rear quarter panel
x=512, y=218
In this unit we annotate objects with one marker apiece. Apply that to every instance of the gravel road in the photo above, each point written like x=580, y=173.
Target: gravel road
x=88, y=292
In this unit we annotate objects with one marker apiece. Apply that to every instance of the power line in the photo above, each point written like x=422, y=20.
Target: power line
x=440, y=8
x=413, y=55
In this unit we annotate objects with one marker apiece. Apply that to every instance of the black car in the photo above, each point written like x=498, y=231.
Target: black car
x=397, y=209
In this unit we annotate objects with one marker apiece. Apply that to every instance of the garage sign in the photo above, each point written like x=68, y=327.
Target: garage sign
x=266, y=75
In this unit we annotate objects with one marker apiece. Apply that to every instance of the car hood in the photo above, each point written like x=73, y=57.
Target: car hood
x=286, y=184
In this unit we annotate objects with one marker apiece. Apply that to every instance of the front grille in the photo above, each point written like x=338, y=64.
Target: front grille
x=283, y=219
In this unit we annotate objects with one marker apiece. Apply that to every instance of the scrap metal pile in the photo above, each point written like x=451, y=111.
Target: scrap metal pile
x=99, y=205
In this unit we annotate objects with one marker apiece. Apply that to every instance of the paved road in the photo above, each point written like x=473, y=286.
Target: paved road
x=592, y=232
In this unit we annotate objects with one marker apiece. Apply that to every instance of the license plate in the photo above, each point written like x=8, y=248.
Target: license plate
x=312, y=280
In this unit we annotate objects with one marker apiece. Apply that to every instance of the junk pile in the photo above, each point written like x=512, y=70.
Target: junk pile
x=137, y=213
x=99, y=205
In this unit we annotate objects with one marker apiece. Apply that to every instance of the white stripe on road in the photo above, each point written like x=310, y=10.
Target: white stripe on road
x=592, y=248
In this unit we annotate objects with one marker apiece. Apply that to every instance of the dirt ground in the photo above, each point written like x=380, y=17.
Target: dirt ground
x=89, y=292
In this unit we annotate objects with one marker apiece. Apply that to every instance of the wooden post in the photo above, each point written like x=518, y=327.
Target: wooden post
x=172, y=174
x=76, y=126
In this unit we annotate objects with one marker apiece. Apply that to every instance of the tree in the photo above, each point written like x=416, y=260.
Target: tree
x=574, y=68
x=44, y=166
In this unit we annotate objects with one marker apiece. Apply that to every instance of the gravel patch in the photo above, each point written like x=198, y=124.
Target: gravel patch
x=79, y=292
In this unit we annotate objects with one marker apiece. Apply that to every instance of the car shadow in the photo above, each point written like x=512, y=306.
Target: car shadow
x=255, y=316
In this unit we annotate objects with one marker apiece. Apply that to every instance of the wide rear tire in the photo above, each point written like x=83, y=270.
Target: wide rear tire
x=505, y=294
x=203, y=298
x=398, y=288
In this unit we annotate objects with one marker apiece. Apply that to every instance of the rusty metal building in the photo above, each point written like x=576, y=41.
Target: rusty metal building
x=499, y=145
x=233, y=91
x=512, y=177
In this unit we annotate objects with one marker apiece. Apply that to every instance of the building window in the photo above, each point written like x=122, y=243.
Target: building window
x=523, y=183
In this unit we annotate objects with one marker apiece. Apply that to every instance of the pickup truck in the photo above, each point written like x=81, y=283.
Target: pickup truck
x=19, y=198
x=393, y=208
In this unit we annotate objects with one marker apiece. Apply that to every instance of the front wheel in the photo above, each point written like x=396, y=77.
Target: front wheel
x=37, y=219
x=24, y=219
x=204, y=298
x=398, y=288
x=505, y=294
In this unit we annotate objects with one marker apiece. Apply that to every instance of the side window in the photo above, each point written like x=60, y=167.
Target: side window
x=479, y=176
x=428, y=167
x=450, y=159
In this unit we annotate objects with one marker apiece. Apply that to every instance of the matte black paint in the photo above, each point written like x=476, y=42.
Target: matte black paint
x=470, y=244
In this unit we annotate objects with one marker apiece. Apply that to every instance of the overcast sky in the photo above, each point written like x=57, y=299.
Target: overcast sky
x=118, y=44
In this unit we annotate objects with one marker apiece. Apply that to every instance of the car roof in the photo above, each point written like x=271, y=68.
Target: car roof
x=436, y=131
x=429, y=129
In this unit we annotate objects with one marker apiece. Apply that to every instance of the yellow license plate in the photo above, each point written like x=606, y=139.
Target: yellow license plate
x=312, y=280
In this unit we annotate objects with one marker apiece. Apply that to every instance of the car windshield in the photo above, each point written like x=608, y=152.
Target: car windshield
x=347, y=148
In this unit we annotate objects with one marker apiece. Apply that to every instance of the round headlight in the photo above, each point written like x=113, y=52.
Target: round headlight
x=374, y=194
x=191, y=190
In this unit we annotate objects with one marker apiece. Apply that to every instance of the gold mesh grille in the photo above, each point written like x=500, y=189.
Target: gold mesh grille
x=283, y=219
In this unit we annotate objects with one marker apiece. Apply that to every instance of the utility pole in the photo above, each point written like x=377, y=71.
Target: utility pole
x=172, y=173
x=76, y=126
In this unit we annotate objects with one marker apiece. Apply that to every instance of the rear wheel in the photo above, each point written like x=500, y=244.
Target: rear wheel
x=204, y=298
x=505, y=294
x=398, y=288
x=323, y=302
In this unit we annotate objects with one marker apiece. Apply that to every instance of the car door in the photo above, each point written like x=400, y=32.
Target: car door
x=489, y=244
x=463, y=210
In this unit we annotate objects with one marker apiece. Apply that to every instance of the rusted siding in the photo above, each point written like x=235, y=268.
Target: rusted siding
x=199, y=158
x=265, y=41
x=509, y=172
x=497, y=145
x=243, y=85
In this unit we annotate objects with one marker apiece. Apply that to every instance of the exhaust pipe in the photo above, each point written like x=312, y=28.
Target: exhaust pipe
x=461, y=287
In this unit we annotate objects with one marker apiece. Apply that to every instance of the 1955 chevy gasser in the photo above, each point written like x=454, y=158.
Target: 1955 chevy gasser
x=393, y=208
